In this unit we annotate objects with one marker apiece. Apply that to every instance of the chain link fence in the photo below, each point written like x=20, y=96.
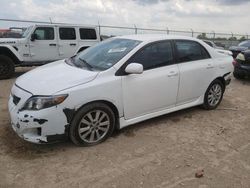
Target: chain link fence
x=220, y=39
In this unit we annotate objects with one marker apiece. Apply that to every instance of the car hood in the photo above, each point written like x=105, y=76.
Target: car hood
x=238, y=48
x=54, y=77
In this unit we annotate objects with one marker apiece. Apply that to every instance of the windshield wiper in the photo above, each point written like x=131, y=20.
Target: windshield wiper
x=86, y=63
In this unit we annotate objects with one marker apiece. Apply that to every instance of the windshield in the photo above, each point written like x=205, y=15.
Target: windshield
x=26, y=32
x=105, y=54
x=245, y=43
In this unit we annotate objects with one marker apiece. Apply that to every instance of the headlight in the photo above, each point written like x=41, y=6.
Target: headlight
x=41, y=102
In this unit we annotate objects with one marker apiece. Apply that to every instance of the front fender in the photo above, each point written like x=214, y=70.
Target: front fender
x=10, y=49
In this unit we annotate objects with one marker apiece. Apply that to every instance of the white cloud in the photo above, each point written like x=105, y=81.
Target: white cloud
x=222, y=16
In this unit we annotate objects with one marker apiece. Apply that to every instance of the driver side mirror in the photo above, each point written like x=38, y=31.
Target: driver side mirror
x=33, y=37
x=134, y=68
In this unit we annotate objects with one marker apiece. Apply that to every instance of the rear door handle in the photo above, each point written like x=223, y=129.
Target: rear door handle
x=72, y=44
x=172, y=74
x=52, y=44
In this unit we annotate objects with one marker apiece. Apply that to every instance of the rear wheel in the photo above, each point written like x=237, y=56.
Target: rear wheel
x=213, y=95
x=7, y=67
x=93, y=124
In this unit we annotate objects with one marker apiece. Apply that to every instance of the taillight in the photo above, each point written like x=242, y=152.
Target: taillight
x=235, y=62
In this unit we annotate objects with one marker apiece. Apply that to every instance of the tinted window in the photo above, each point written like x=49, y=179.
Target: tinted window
x=87, y=34
x=190, y=51
x=245, y=44
x=155, y=55
x=44, y=33
x=67, y=33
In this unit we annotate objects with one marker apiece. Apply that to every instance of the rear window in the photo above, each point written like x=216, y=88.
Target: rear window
x=67, y=33
x=87, y=34
x=190, y=51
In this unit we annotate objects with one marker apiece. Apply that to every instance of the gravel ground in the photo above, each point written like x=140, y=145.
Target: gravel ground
x=162, y=152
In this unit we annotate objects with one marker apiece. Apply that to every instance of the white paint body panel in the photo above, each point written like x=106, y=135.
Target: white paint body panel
x=150, y=91
x=137, y=97
x=33, y=52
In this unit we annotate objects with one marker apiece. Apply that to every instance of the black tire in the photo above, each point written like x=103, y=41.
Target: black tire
x=7, y=67
x=83, y=112
x=207, y=105
x=238, y=76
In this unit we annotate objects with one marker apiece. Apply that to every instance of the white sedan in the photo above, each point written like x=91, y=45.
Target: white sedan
x=116, y=83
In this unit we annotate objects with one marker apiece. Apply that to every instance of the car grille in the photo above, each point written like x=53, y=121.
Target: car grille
x=16, y=99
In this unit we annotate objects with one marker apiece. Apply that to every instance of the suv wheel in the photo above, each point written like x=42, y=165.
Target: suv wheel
x=213, y=95
x=92, y=124
x=7, y=67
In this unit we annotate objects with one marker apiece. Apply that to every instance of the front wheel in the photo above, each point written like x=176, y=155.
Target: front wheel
x=92, y=124
x=213, y=95
x=7, y=67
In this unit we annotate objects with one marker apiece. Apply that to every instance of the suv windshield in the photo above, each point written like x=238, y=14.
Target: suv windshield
x=105, y=54
x=245, y=43
x=26, y=32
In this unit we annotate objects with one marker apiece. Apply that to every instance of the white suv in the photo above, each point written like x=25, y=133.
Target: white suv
x=116, y=83
x=41, y=44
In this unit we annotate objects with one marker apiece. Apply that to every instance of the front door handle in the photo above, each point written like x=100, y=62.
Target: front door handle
x=172, y=74
x=72, y=44
x=52, y=44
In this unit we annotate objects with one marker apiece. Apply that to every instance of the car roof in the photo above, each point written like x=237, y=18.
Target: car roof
x=156, y=37
x=65, y=25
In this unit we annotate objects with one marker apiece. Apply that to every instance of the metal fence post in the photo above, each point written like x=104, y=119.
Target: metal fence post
x=192, y=32
x=99, y=28
x=167, y=31
x=213, y=35
x=135, y=29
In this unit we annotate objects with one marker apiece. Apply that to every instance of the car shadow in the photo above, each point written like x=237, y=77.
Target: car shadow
x=165, y=119
x=20, y=149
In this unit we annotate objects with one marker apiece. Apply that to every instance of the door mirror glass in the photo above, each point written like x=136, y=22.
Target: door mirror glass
x=33, y=37
x=134, y=68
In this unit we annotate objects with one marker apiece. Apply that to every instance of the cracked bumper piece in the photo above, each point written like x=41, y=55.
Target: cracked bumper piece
x=43, y=126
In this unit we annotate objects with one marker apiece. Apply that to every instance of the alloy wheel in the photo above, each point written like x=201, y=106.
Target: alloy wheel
x=94, y=126
x=214, y=94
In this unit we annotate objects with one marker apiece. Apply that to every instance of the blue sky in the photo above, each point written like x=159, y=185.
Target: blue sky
x=213, y=15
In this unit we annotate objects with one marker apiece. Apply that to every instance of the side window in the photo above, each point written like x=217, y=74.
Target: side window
x=44, y=33
x=190, y=51
x=67, y=33
x=87, y=34
x=155, y=55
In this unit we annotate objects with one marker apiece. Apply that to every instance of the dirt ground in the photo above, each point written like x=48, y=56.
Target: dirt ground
x=162, y=152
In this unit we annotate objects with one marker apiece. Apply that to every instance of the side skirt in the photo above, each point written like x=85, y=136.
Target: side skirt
x=125, y=123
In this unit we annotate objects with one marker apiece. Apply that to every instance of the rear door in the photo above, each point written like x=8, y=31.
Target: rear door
x=67, y=40
x=156, y=88
x=88, y=37
x=196, y=70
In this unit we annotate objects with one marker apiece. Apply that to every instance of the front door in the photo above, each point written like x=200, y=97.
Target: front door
x=156, y=88
x=44, y=47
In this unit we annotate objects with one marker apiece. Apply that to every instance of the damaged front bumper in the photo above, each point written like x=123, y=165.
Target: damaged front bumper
x=43, y=126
